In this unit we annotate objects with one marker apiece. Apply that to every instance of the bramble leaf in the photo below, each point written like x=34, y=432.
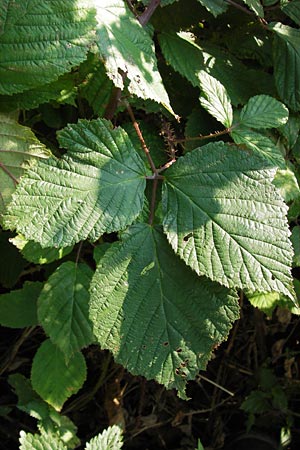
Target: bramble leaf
x=292, y=9
x=226, y=220
x=109, y=439
x=127, y=48
x=263, y=111
x=63, y=307
x=85, y=193
x=287, y=49
x=45, y=441
x=39, y=41
x=18, y=145
x=62, y=380
x=140, y=281
x=215, y=99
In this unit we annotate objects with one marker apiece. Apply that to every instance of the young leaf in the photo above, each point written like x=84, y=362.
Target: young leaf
x=260, y=145
x=30, y=441
x=287, y=49
x=85, y=193
x=215, y=99
x=140, y=281
x=63, y=307
x=263, y=111
x=225, y=219
x=18, y=308
x=39, y=41
x=127, y=48
x=62, y=380
x=18, y=145
x=109, y=439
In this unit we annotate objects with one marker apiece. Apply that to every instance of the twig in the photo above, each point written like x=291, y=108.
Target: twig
x=242, y=8
x=14, y=351
x=201, y=137
x=113, y=103
x=147, y=14
x=216, y=385
x=78, y=252
x=141, y=139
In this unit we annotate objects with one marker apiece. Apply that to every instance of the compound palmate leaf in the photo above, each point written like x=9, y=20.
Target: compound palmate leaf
x=226, y=219
x=154, y=313
x=84, y=194
x=39, y=41
x=127, y=48
x=63, y=307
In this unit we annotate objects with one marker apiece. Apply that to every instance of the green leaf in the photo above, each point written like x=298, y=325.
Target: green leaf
x=18, y=308
x=290, y=131
x=85, y=193
x=62, y=90
x=295, y=238
x=287, y=63
x=263, y=111
x=18, y=146
x=109, y=439
x=266, y=302
x=215, y=7
x=225, y=219
x=33, y=251
x=260, y=145
x=292, y=9
x=127, y=48
x=215, y=99
x=239, y=81
x=12, y=262
x=30, y=441
x=183, y=316
x=287, y=183
x=63, y=307
x=256, y=6
x=28, y=400
x=39, y=41
x=62, y=380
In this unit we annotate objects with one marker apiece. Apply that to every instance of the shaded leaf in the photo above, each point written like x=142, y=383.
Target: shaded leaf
x=287, y=63
x=127, y=47
x=285, y=180
x=295, y=238
x=39, y=41
x=18, y=309
x=215, y=7
x=11, y=261
x=261, y=145
x=85, y=193
x=292, y=9
x=225, y=219
x=62, y=380
x=183, y=316
x=63, y=307
x=256, y=6
x=263, y=111
x=215, y=99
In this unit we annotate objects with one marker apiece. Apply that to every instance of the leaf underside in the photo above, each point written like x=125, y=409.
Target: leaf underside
x=85, y=193
x=225, y=219
x=158, y=318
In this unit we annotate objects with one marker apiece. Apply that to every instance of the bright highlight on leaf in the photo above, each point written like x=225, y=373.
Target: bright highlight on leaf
x=85, y=193
x=109, y=439
x=225, y=219
x=263, y=111
x=54, y=379
x=63, y=307
x=158, y=318
x=128, y=51
x=39, y=41
x=215, y=99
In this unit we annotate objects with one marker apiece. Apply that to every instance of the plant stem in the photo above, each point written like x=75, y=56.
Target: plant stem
x=147, y=14
x=200, y=137
x=8, y=172
x=242, y=8
x=141, y=139
x=153, y=201
x=113, y=103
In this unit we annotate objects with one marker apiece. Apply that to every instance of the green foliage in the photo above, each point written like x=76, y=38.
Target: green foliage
x=178, y=227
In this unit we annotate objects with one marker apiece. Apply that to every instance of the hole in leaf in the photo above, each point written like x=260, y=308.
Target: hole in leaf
x=165, y=344
x=187, y=237
x=177, y=371
x=179, y=350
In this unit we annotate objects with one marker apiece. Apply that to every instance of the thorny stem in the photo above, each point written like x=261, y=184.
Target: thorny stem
x=201, y=137
x=147, y=14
